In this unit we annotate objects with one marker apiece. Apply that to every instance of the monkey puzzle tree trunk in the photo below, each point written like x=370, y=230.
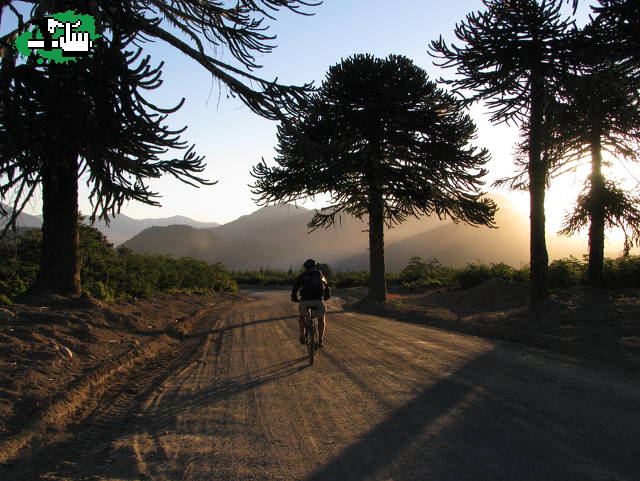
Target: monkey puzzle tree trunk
x=377, y=279
x=539, y=275
x=596, y=213
x=59, y=259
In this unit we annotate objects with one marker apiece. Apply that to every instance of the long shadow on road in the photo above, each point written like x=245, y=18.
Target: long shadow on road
x=378, y=448
x=472, y=426
x=221, y=330
x=231, y=387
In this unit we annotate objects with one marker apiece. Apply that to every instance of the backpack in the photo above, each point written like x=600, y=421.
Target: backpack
x=313, y=284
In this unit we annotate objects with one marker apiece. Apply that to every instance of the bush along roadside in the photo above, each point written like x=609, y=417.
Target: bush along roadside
x=109, y=273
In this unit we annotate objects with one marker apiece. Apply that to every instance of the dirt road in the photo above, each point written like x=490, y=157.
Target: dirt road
x=384, y=401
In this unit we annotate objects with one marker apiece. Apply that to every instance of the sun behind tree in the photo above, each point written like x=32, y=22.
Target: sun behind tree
x=385, y=142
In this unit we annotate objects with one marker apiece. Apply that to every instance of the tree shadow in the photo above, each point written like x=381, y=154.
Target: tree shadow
x=487, y=421
x=221, y=330
x=230, y=387
x=379, y=447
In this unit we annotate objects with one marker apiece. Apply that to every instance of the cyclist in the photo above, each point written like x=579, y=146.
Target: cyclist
x=314, y=290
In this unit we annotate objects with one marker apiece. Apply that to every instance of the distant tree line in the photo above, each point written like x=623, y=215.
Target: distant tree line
x=420, y=274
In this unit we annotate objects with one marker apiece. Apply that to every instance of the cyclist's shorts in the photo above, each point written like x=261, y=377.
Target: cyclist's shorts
x=320, y=311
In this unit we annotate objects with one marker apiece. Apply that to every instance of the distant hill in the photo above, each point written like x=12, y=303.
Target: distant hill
x=24, y=220
x=276, y=236
x=177, y=240
x=263, y=218
x=458, y=244
x=122, y=227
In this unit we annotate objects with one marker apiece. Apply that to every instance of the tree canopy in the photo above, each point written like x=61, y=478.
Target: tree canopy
x=379, y=122
x=104, y=93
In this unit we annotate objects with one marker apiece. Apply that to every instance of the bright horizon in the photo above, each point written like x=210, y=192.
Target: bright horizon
x=233, y=139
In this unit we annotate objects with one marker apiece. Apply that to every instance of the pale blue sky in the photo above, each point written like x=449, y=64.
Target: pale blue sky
x=233, y=139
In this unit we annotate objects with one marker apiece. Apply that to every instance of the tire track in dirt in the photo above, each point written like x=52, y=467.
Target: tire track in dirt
x=90, y=443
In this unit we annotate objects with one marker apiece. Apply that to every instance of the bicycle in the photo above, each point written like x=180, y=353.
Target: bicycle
x=311, y=334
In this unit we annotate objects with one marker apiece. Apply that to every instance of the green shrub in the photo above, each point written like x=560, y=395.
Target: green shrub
x=344, y=280
x=228, y=285
x=265, y=277
x=393, y=278
x=522, y=274
x=100, y=291
x=622, y=272
x=107, y=273
x=473, y=274
x=566, y=272
x=423, y=283
x=421, y=274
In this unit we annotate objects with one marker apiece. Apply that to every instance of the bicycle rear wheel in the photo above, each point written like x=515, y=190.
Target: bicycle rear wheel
x=311, y=339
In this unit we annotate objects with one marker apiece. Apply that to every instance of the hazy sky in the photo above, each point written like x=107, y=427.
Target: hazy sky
x=233, y=139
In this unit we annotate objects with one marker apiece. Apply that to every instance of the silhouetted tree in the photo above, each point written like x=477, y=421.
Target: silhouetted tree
x=57, y=121
x=601, y=102
x=511, y=57
x=386, y=143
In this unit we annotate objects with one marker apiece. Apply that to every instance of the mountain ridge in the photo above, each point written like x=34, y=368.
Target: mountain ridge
x=278, y=237
x=122, y=227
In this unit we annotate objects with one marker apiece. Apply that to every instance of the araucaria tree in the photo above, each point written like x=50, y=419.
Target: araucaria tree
x=386, y=143
x=511, y=57
x=57, y=121
x=601, y=99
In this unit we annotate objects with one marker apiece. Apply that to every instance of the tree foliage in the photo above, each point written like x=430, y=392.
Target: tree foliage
x=601, y=113
x=99, y=111
x=378, y=122
x=503, y=48
x=620, y=20
x=97, y=106
x=620, y=210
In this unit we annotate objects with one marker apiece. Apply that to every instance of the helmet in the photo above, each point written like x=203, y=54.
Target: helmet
x=309, y=264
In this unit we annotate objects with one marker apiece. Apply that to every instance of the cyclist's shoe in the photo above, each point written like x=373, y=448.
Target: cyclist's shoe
x=320, y=343
x=301, y=339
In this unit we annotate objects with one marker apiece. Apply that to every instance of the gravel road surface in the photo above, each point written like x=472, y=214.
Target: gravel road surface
x=384, y=401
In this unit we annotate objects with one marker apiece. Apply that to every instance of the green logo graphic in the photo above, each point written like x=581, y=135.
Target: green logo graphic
x=61, y=38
